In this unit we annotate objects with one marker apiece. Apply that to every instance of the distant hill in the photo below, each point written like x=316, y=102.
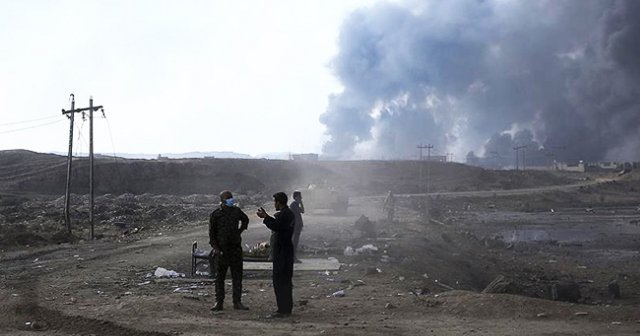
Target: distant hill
x=30, y=172
x=189, y=155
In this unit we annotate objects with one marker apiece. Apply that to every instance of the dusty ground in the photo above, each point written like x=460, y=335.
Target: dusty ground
x=103, y=287
x=426, y=277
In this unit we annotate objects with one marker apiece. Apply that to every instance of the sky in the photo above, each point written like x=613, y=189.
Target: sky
x=344, y=78
x=250, y=77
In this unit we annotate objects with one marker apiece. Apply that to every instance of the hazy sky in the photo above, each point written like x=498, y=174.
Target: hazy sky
x=348, y=78
x=174, y=76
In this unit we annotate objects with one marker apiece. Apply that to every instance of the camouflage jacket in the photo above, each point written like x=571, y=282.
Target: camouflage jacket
x=225, y=226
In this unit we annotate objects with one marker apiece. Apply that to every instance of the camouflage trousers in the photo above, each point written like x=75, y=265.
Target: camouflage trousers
x=229, y=258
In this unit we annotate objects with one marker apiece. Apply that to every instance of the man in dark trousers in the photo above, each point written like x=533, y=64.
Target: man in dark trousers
x=225, y=226
x=298, y=209
x=282, y=227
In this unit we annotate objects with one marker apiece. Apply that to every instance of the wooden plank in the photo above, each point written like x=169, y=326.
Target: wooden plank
x=305, y=265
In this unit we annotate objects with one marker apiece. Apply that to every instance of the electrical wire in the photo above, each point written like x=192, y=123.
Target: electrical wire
x=113, y=147
x=30, y=127
x=81, y=139
x=28, y=121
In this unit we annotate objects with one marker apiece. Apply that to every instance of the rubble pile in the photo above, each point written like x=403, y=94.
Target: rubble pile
x=27, y=221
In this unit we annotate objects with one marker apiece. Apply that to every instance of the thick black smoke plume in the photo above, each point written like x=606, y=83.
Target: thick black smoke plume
x=560, y=76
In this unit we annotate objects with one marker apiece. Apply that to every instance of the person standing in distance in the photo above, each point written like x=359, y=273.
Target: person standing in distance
x=281, y=225
x=297, y=207
x=225, y=226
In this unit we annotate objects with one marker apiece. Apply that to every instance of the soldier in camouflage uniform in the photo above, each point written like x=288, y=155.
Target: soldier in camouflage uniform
x=225, y=226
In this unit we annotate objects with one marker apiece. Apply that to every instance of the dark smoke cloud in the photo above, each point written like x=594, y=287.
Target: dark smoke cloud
x=560, y=76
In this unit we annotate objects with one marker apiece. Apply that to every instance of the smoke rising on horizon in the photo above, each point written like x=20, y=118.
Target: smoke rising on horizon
x=561, y=76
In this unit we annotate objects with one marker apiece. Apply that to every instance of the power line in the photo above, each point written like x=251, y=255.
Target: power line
x=113, y=147
x=30, y=127
x=28, y=121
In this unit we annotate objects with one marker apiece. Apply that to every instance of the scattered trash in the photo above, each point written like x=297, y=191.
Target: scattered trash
x=420, y=291
x=445, y=286
x=358, y=283
x=616, y=323
x=389, y=306
x=339, y=293
x=541, y=315
x=144, y=283
x=127, y=293
x=203, y=273
x=349, y=251
x=36, y=260
x=581, y=314
x=401, y=278
x=372, y=270
x=259, y=250
x=365, y=249
x=38, y=326
x=186, y=289
x=369, y=248
x=163, y=272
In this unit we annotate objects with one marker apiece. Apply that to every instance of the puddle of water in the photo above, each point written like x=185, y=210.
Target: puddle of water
x=529, y=235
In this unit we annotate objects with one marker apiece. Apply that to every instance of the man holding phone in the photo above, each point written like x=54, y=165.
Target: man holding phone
x=281, y=226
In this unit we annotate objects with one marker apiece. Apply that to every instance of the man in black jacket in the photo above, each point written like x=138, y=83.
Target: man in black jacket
x=282, y=227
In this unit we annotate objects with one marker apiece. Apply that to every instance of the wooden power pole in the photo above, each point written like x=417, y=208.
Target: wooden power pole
x=517, y=149
x=67, y=194
x=73, y=110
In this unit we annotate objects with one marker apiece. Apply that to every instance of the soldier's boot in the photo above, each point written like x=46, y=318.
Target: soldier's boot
x=239, y=306
x=219, y=306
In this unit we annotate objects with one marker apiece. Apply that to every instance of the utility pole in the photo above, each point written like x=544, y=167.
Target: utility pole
x=517, y=149
x=421, y=147
x=67, y=193
x=429, y=147
x=90, y=109
x=449, y=155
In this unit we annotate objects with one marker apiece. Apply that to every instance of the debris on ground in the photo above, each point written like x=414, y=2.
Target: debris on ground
x=339, y=293
x=161, y=272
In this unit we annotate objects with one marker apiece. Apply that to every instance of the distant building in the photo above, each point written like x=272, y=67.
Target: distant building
x=574, y=167
x=595, y=167
x=304, y=157
x=435, y=158
x=162, y=158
